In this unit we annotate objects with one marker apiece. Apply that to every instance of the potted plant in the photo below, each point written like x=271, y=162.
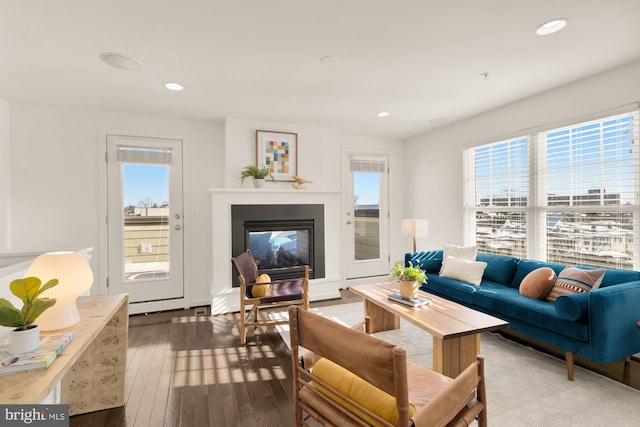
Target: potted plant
x=410, y=279
x=258, y=174
x=25, y=335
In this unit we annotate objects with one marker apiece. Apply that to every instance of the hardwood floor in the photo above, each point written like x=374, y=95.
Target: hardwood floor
x=190, y=371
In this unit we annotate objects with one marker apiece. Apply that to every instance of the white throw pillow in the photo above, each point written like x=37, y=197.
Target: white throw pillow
x=461, y=252
x=464, y=270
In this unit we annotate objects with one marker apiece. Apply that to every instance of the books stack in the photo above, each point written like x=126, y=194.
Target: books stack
x=51, y=345
x=418, y=301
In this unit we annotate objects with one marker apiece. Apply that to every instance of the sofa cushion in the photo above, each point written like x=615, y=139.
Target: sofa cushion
x=461, y=269
x=500, y=268
x=538, y=283
x=526, y=266
x=366, y=394
x=614, y=276
x=461, y=252
x=507, y=303
x=573, y=307
x=430, y=261
x=452, y=289
x=573, y=280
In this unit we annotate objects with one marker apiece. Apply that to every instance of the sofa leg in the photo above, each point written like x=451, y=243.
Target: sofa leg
x=626, y=371
x=569, y=359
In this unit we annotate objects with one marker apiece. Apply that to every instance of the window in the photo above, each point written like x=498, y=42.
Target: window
x=566, y=194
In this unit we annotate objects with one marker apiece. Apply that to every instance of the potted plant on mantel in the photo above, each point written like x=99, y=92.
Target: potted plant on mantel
x=410, y=279
x=25, y=335
x=258, y=174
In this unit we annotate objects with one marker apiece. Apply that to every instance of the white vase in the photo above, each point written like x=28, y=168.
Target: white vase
x=408, y=288
x=24, y=341
x=258, y=182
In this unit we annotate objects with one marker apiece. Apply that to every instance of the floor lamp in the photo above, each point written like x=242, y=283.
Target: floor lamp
x=415, y=228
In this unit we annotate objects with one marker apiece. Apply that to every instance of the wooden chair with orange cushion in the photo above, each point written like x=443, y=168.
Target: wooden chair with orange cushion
x=359, y=380
x=258, y=290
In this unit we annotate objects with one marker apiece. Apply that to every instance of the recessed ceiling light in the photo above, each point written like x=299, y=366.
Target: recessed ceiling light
x=174, y=86
x=328, y=60
x=121, y=62
x=383, y=114
x=551, y=27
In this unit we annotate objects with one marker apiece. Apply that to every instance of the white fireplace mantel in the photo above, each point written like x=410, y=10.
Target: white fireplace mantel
x=225, y=298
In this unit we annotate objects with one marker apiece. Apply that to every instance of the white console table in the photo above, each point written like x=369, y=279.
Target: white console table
x=90, y=371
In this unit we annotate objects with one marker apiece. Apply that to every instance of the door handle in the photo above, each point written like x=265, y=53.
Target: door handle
x=349, y=222
x=178, y=227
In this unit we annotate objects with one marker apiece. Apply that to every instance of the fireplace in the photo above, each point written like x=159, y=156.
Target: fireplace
x=280, y=236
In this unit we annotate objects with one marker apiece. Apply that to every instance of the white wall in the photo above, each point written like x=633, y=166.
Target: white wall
x=55, y=191
x=320, y=160
x=434, y=190
x=4, y=176
x=55, y=182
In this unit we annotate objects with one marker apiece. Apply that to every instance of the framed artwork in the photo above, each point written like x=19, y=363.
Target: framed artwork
x=279, y=152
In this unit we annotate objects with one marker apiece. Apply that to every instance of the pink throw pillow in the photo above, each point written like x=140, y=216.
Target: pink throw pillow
x=538, y=283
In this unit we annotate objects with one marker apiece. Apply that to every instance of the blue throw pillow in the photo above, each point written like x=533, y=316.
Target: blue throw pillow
x=573, y=307
x=500, y=268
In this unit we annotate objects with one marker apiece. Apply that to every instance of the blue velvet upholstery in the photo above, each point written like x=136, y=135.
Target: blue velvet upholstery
x=500, y=268
x=460, y=291
x=599, y=325
x=526, y=266
x=430, y=261
x=613, y=276
x=573, y=307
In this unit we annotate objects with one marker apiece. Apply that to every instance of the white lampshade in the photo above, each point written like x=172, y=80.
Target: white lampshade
x=74, y=279
x=415, y=228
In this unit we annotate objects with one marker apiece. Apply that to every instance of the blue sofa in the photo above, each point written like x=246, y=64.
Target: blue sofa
x=599, y=325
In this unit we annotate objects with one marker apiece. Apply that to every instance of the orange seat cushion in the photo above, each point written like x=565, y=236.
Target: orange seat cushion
x=369, y=396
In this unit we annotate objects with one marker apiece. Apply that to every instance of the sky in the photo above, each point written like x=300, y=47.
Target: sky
x=142, y=181
x=580, y=158
x=366, y=188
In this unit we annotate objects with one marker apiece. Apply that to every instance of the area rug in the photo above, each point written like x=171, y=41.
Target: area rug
x=525, y=387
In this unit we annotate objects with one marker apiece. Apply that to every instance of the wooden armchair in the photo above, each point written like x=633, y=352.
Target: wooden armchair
x=273, y=293
x=341, y=391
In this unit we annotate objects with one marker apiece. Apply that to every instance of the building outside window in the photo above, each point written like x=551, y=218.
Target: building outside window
x=567, y=194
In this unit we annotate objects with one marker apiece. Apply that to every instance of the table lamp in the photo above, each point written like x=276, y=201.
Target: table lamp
x=74, y=279
x=415, y=228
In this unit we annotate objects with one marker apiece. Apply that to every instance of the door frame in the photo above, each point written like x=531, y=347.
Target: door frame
x=100, y=279
x=346, y=152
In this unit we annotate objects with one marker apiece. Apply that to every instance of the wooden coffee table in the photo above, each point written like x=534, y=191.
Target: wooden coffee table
x=455, y=328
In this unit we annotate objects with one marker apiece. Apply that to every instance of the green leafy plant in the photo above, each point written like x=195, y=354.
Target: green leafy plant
x=27, y=290
x=256, y=172
x=410, y=273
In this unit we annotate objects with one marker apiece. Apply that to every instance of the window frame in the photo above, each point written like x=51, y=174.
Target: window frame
x=537, y=206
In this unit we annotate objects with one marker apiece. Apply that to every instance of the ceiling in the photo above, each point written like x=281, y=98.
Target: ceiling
x=421, y=60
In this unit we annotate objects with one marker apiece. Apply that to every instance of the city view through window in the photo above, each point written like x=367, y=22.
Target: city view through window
x=567, y=195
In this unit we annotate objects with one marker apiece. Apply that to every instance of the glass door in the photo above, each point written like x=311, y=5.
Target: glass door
x=145, y=218
x=367, y=217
